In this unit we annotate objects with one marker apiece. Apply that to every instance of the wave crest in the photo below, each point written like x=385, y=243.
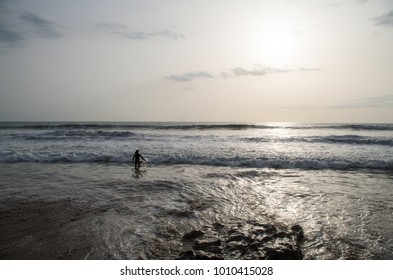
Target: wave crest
x=303, y=164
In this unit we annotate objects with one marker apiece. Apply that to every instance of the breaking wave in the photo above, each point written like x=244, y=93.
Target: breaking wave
x=125, y=158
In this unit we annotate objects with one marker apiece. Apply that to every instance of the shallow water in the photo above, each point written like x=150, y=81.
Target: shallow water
x=110, y=211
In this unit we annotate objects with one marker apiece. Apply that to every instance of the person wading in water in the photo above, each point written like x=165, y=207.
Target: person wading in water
x=136, y=159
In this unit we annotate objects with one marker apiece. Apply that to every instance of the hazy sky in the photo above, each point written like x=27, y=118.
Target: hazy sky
x=204, y=60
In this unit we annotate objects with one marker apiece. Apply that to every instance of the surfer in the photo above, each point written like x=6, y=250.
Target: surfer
x=136, y=159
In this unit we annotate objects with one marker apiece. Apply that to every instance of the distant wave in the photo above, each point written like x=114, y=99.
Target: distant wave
x=331, y=139
x=188, y=126
x=363, y=126
x=69, y=134
x=72, y=134
x=355, y=139
x=89, y=133
x=130, y=126
x=59, y=135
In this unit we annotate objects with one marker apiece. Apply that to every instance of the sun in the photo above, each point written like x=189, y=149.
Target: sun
x=279, y=45
x=276, y=45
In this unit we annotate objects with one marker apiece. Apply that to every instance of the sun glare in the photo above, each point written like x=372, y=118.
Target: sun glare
x=279, y=46
x=276, y=44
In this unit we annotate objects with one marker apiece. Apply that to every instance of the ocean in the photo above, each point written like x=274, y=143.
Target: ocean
x=70, y=190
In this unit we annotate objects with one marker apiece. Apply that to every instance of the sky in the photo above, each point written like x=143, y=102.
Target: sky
x=207, y=60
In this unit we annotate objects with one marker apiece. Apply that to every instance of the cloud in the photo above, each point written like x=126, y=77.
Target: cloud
x=240, y=71
x=8, y=33
x=124, y=31
x=165, y=33
x=236, y=72
x=40, y=26
x=361, y=1
x=188, y=77
x=17, y=28
x=385, y=19
x=9, y=36
x=258, y=71
x=111, y=26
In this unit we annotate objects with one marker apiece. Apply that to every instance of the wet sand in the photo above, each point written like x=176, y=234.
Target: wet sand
x=43, y=230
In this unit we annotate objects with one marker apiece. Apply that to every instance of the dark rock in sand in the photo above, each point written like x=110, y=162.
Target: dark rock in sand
x=288, y=253
x=299, y=232
x=204, y=243
x=267, y=239
x=218, y=226
x=248, y=241
x=281, y=234
x=192, y=235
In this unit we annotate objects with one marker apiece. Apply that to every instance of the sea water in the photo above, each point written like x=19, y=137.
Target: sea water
x=70, y=190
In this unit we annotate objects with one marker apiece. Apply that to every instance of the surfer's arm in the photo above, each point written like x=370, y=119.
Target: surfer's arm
x=142, y=157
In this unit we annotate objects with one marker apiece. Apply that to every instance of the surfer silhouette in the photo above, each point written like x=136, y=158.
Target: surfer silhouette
x=136, y=159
